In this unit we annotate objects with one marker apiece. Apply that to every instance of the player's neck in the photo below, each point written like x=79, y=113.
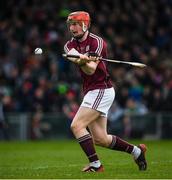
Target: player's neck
x=84, y=37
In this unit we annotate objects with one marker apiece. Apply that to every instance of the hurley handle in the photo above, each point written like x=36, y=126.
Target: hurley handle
x=70, y=56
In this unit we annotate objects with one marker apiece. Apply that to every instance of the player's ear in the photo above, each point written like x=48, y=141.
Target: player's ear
x=84, y=27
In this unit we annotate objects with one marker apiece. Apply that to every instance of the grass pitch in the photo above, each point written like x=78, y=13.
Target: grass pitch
x=64, y=160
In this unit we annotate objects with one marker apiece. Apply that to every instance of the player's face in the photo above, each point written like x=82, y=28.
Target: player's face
x=76, y=30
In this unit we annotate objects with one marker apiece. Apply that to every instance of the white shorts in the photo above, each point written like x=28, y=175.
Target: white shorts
x=100, y=100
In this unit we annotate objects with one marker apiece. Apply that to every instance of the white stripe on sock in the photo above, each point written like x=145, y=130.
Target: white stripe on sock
x=136, y=152
x=96, y=164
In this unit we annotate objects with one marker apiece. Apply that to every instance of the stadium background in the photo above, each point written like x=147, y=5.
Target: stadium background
x=42, y=93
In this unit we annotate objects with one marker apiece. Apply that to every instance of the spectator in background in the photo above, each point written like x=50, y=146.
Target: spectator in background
x=36, y=132
x=115, y=116
x=133, y=107
x=39, y=128
x=70, y=107
x=4, y=127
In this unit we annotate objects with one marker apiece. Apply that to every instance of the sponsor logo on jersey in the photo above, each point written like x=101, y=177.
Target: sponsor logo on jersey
x=87, y=48
x=87, y=103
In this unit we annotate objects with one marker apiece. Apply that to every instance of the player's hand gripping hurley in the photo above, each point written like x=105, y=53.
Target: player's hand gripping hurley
x=141, y=65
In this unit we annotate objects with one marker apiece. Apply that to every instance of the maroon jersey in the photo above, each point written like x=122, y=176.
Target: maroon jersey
x=93, y=44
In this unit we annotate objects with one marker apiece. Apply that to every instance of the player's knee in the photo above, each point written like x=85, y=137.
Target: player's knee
x=75, y=127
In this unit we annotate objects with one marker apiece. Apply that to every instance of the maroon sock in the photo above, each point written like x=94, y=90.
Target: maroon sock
x=87, y=145
x=120, y=145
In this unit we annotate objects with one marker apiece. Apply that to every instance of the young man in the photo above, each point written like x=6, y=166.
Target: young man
x=98, y=95
x=4, y=128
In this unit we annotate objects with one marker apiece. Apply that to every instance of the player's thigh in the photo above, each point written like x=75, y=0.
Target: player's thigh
x=85, y=116
x=98, y=130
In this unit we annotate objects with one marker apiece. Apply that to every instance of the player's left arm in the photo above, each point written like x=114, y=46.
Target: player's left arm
x=90, y=66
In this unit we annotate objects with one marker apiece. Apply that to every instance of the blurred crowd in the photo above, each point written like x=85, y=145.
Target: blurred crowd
x=137, y=30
